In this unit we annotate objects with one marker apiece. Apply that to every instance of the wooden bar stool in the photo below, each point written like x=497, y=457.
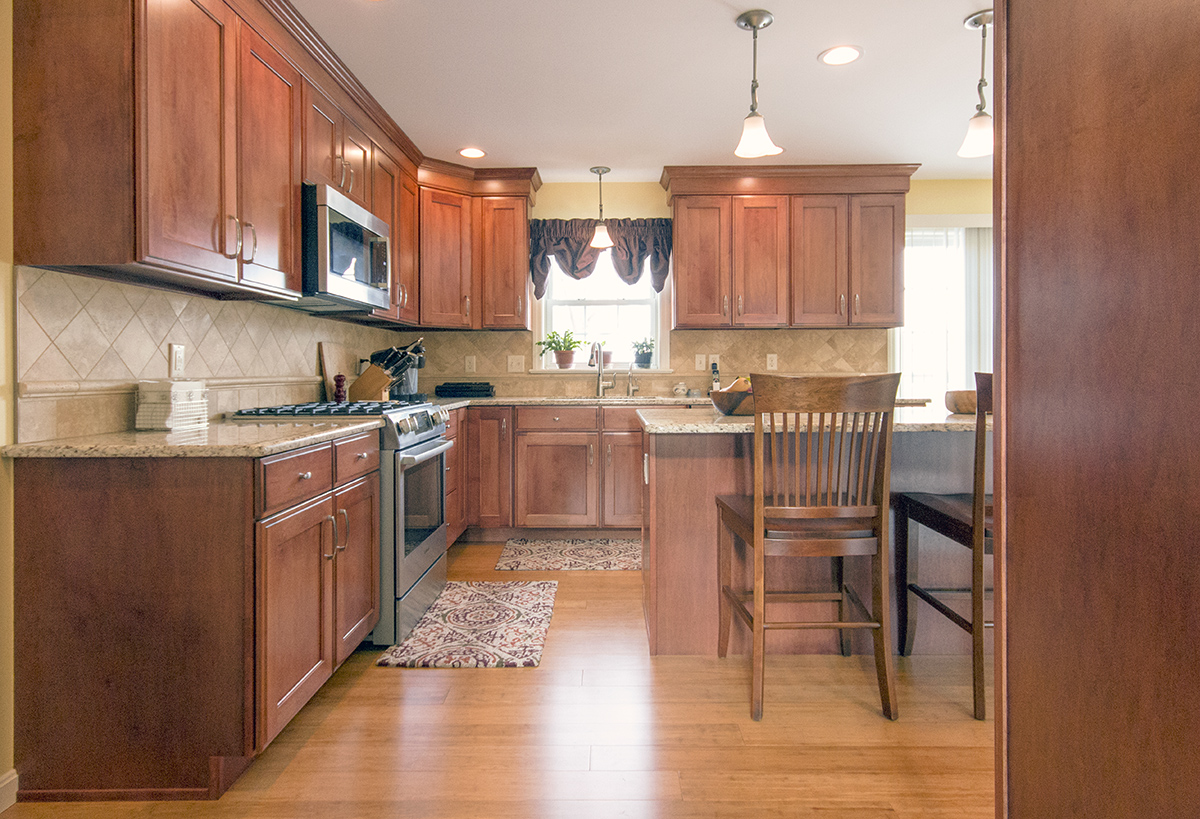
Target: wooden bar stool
x=965, y=519
x=822, y=465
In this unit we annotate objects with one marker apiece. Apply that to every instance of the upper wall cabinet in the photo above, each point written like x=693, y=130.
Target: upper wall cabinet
x=445, y=259
x=778, y=246
x=336, y=151
x=189, y=178
x=394, y=197
x=504, y=261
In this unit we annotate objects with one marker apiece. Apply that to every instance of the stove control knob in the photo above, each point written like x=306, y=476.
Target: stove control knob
x=443, y=415
x=408, y=424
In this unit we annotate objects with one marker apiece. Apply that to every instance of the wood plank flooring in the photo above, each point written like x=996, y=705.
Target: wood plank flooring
x=601, y=729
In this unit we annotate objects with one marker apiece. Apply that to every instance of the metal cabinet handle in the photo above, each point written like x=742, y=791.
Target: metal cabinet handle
x=646, y=468
x=304, y=476
x=740, y=310
x=591, y=454
x=346, y=534
x=350, y=189
x=237, y=249
x=467, y=301
x=503, y=425
x=520, y=305
x=842, y=305
x=342, y=181
x=333, y=521
x=254, y=242
x=725, y=305
x=857, y=305
x=610, y=454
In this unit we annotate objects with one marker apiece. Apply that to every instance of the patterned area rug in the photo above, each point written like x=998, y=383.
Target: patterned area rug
x=584, y=555
x=480, y=625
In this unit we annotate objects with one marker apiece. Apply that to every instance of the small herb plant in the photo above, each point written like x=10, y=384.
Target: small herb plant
x=646, y=345
x=560, y=343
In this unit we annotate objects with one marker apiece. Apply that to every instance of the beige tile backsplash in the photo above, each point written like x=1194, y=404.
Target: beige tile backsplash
x=83, y=343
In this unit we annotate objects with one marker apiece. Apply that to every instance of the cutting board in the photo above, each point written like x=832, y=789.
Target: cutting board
x=337, y=358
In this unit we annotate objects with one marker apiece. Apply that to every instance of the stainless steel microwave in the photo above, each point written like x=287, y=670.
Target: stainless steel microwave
x=345, y=254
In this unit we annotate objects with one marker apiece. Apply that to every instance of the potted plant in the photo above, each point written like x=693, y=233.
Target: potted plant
x=563, y=346
x=642, y=350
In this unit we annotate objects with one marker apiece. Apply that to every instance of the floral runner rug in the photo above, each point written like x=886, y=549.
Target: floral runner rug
x=574, y=554
x=480, y=625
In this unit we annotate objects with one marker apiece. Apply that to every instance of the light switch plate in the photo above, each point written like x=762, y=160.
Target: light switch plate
x=516, y=363
x=175, y=360
x=772, y=361
x=701, y=361
x=469, y=364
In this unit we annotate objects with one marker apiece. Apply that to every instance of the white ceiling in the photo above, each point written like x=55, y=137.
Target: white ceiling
x=638, y=84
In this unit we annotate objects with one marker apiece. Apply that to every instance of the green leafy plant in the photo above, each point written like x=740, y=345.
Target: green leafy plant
x=560, y=343
x=646, y=345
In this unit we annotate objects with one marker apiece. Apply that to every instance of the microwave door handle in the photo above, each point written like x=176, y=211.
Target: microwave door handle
x=408, y=461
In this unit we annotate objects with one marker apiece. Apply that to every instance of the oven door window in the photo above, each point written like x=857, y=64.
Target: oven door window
x=423, y=501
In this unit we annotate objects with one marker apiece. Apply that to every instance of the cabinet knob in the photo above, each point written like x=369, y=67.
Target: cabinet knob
x=304, y=476
x=555, y=417
x=362, y=456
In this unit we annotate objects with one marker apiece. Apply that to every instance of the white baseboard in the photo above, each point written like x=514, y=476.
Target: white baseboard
x=8, y=790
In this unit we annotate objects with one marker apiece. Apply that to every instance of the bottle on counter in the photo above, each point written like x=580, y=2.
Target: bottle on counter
x=716, y=378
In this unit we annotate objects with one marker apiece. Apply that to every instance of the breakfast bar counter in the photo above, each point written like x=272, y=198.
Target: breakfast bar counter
x=693, y=455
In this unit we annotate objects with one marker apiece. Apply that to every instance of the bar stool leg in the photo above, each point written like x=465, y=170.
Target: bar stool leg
x=724, y=579
x=978, y=627
x=907, y=567
x=839, y=583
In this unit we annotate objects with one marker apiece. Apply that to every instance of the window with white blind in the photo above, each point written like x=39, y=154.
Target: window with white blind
x=947, y=332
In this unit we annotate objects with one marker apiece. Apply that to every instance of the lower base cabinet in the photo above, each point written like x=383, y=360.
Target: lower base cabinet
x=174, y=613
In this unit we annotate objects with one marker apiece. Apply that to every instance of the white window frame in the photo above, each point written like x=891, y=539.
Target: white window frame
x=544, y=364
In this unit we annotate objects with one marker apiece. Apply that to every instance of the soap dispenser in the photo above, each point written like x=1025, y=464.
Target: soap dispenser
x=716, y=381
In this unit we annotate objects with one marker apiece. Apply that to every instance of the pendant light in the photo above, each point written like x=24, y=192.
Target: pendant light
x=601, y=239
x=755, y=142
x=979, y=139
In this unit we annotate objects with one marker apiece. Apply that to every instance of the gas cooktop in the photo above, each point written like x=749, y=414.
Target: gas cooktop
x=326, y=409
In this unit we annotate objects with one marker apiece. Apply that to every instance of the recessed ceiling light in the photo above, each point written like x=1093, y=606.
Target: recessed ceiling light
x=472, y=153
x=840, y=55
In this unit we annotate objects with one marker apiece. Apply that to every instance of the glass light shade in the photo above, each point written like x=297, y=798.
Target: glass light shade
x=979, y=139
x=601, y=238
x=755, y=141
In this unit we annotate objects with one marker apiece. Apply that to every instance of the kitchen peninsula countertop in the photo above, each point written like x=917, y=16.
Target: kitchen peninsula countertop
x=588, y=401
x=699, y=420
x=217, y=440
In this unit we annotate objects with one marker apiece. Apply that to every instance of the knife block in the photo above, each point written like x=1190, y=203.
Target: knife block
x=372, y=385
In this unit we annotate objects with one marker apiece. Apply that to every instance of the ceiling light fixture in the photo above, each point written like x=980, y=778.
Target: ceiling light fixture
x=979, y=139
x=755, y=142
x=601, y=239
x=472, y=153
x=840, y=55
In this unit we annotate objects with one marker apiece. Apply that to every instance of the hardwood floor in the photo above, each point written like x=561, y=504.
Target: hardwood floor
x=601, y=729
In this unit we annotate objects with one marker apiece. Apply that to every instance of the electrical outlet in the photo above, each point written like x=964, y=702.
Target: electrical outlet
x=772, y=361
x=469, y=364
x=516, y=363
x=714, y=361
x=700, y=362
x=175, y=360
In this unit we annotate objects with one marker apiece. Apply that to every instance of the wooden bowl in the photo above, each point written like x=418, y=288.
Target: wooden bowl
x=733, y=403
x=961, y=402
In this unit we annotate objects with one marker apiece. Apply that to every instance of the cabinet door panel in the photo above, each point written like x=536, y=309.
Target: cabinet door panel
x=358, y=151
x=269, y=163
x=407, y=241
x=489, y=466
x=191, y=136
x=760, y=261
x=877, y=260
x=295, y=593
x=445, y=259
x=322, y=140
x=356, y=567
x=557, y=479
x=702, y=261
x=622, y=479
x=385, y=201
x=820, y=271
x=504, y=232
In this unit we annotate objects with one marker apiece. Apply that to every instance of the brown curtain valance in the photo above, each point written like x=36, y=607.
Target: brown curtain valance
x=567, y=240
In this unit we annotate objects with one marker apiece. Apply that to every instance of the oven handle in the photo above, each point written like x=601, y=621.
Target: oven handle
x=407, y=460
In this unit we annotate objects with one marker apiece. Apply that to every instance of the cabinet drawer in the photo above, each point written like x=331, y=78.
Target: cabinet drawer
x=452, y=423
x=355, y=456
x=586, y=418
x=292, y=477
x=621, y=419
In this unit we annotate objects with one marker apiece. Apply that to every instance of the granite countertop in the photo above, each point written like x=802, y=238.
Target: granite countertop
x=674, y=421
x=606, y=401
x=217, y=440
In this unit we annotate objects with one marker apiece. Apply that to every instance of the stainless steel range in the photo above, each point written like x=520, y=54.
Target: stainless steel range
x=412, y=472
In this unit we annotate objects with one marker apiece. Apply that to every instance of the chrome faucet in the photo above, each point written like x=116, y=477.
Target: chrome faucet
x=632, y=387
x=597, y=358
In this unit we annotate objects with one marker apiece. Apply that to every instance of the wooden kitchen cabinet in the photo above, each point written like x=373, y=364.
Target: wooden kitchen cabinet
x=622, y=490
x=393, y=193
x=336, y=151
x=201, y=601
x=557, y=479
x=177, y=167
x=504, y=262
x=445, y=259
x=456, y=476
x=731, y=261
x=847, y=260
x=408, y=239
x=489, y=466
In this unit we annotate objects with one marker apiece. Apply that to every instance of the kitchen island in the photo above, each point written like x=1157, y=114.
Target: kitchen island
x=694, y=454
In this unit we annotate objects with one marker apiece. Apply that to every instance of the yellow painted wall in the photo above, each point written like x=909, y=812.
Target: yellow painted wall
x=8, y=388
x=943, y=196
x=644, y=200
